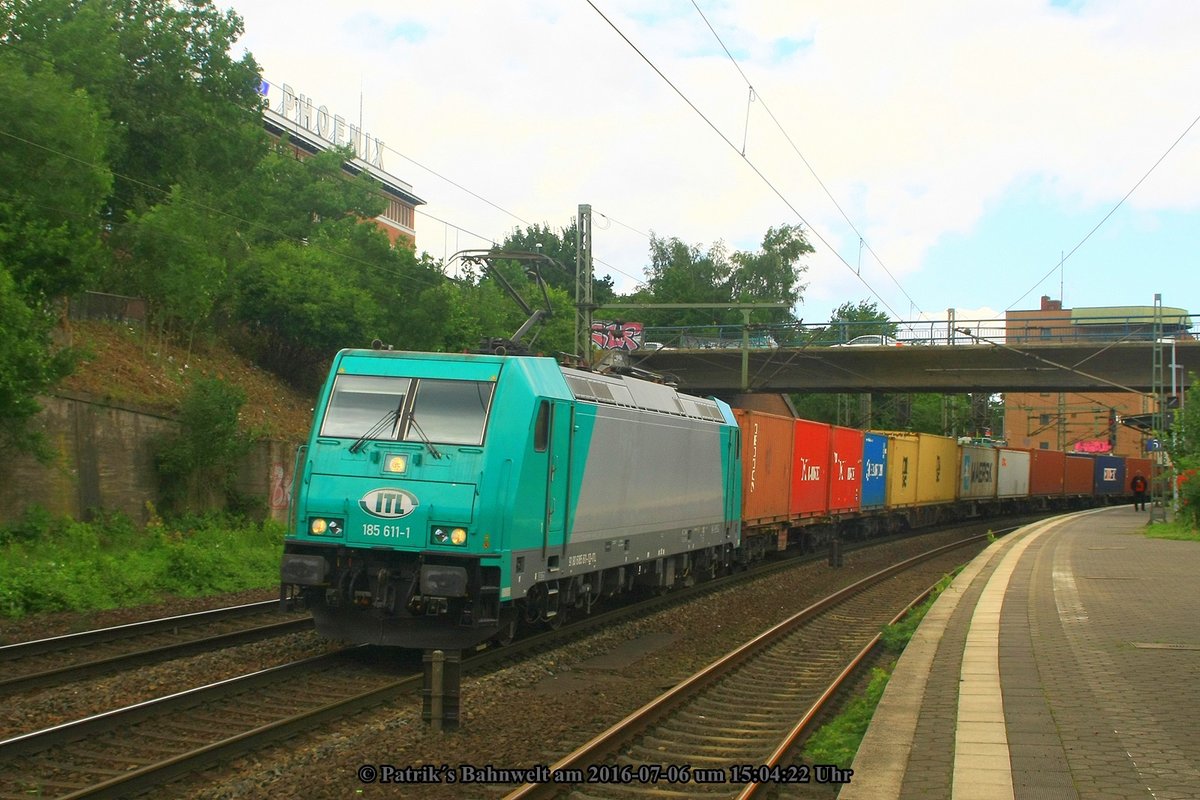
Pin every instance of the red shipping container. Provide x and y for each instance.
(766, 466)
(1078, 475)
(1047, 472)
(1133, 466)
(810, 469)
(845, 470)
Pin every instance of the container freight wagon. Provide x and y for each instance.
(1077, 477)
(766, 470)
(1012, 473)
(976, 472)
(810, 469)
(901, 469)
(874, 471)
(845, 470)
(1047, 473)
(937, 463)
(1108, 475)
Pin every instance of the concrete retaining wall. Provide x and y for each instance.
(104, 459)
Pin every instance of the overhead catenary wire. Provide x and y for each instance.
(756, 96)
(753, 167)
(1096, 227)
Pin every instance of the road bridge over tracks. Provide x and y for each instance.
(1027, 366)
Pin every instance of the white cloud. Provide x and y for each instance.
(920, 118)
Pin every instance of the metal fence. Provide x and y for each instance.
(1027, 330)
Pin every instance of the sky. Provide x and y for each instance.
(952, 154)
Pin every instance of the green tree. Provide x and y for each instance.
(1183, 445)
(185, 110)
(299, 310)
(28, 365)
(856, 319)
(772, 274)
(53, 181)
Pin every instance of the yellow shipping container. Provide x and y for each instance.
(901, 469)
(937, 464)
(922, 468)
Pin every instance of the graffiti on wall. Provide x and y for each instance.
(617, 335)
(281, 492)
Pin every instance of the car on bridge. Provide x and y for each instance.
(870, 340)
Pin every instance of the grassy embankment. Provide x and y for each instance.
(837, 741)
(61, 565)
(1172, 530)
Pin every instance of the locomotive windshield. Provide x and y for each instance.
(408, 409)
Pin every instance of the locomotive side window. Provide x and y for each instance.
(541, 428)
(360, 402)
(449, 412)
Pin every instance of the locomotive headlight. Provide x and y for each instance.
(326, 526)
(443, 534)
(395, 464)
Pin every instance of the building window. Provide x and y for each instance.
(398, 212)
(1043, 445)
(1044, 419)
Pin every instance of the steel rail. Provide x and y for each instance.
(611, 740)
(87, 669)
(83, 638)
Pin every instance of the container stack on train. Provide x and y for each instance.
(805, 482)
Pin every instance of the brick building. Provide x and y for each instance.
(1082, 421)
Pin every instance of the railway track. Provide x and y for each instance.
(128, 750)
(44, 663)
(731, 729)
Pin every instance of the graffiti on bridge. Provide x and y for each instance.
(617, 335)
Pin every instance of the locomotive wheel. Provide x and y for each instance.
(508, 632)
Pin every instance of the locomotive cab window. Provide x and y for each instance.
(408, 409)
(362, 402)
(541, 428)
(449, 412)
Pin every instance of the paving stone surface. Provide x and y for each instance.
(1099, 664)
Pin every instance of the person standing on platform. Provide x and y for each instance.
(1138, 485)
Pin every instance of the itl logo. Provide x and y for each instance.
(388, 503)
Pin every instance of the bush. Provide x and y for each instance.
(199, 464)
(60, 565)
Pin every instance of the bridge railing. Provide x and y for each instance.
(1027, 330)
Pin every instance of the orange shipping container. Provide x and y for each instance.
(766, 466)
(1134, 466)
(1047, 470)
(1078, 475)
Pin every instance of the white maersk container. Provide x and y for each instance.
(1012, 473)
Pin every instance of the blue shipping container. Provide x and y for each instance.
(874, 470)
(1109, 475)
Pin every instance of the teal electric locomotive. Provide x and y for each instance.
(442, 500)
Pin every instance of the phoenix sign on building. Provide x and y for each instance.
(312, 128)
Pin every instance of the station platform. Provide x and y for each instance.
(1063, 662)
